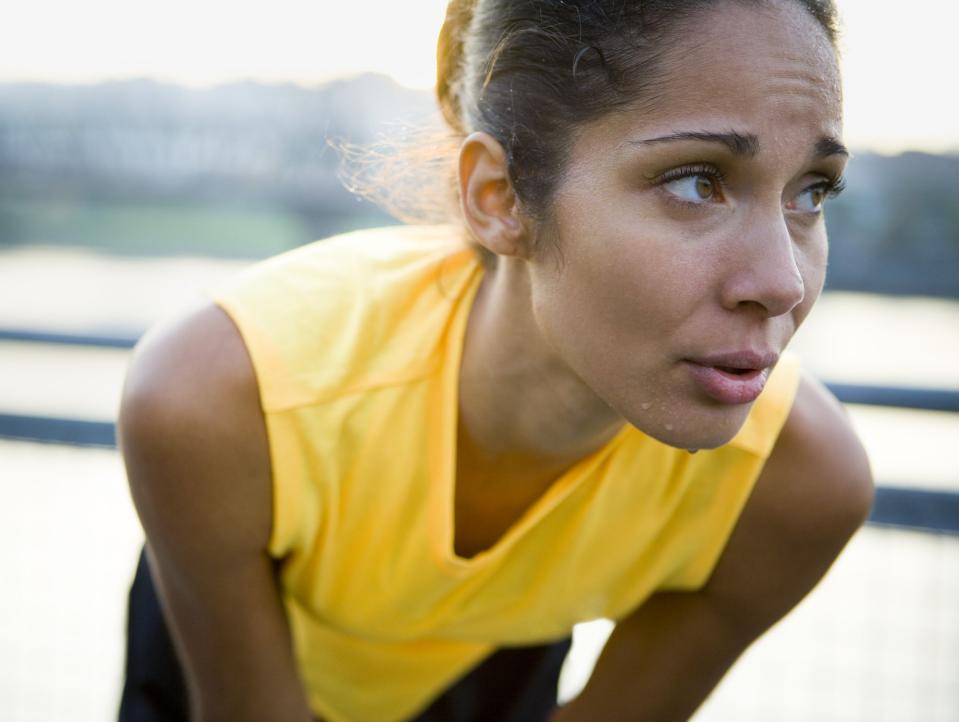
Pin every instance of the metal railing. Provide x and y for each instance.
(917, 509)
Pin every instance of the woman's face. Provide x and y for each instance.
(686, 242)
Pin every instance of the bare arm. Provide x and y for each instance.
(813, 494)
(194, 443)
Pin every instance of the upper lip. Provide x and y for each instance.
(738, 359)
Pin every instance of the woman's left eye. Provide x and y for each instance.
(814, 198)
(810, 200)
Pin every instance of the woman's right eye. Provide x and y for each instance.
(694, 186)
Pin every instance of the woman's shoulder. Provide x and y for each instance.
(818, 472)
(814, 492)
(194, 363)
(191, 428)
(347, 313)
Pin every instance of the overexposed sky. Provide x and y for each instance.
(200, 42)
(899, 64)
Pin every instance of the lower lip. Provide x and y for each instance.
(728, 388)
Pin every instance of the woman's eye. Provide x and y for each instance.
(810, 200)
(698, 188)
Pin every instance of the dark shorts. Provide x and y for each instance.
(512, 685)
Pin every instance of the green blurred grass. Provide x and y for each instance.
(161, 229)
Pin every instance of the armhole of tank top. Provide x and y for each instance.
(285, 496)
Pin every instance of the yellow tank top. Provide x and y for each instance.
(356, 345)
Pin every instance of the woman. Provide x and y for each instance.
(381, 479)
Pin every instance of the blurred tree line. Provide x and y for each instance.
(248, 170)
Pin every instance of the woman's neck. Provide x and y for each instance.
(519, 402)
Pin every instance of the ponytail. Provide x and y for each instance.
(449, 61)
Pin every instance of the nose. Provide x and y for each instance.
(764, 269)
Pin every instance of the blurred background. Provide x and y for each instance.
(148, 151)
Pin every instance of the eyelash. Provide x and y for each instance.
(833, 187)
(691, 171)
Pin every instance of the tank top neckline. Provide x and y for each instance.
(444, 416)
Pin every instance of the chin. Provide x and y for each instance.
(696, 432)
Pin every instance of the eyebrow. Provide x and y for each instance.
(739, 143)
(830, 146)
(745, 144)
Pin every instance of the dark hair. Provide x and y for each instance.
(529, 72)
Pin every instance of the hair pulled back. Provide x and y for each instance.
(530, 72)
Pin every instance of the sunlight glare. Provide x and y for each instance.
(896, 60)
(217, 41)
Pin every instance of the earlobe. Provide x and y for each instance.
(487, 198)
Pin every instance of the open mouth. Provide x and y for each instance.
(729, 384)
(736, 377)
(735, 371)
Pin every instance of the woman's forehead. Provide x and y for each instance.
(758, 68)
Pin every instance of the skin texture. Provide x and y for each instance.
(815, 491)
(625, 281)
(583, 326)
(195, 447)
(587, 320)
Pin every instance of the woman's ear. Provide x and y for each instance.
(487, 199)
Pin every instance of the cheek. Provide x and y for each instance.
(611, 307)
(812, 265)
(812, 262)
(614, 270)
(572, 300)
(600, 282)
